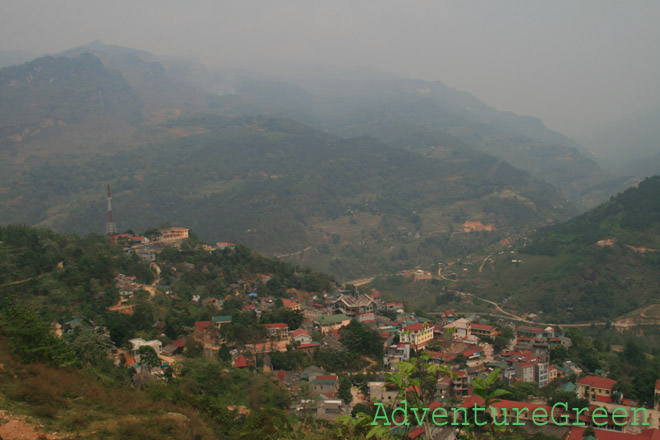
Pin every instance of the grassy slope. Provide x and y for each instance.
(90, 404)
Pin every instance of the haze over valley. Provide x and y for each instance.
(257, 218)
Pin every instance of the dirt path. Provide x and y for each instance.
(361, 281)
(293, 253)
(13, 283)
(483, 263)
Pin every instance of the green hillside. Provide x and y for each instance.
(44, 97)
(78, 386)
(596, 267)
(356, 205)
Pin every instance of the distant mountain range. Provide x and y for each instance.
(378, 170)
(50, 95)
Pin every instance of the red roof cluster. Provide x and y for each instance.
(299, 332)
(485, 327)
(200, 326)
(276, 325)
(597, 382)
(326, 378)
(603, 434)
(289, 303)
(416, 327)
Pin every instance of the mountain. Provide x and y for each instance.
(50, 98)
(376, 105)
(355, 107)
(159, 88)
(355, 206)
(598, 266)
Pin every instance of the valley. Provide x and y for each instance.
(284, 253)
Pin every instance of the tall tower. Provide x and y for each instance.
(110, 226)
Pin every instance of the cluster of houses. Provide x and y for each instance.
(147, 247)
(463, 342)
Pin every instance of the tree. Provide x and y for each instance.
(148, 357)
(194, 348)
(293, 318)
(359, 338)
(461, 360)
(416, 379)
(589, 432)
(633, 353)
(502, 340)
(30, 338)
(345, 389)
(91, 348)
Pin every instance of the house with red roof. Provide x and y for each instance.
(293, 305)
(201, 326)
(175, 233)
(395, 306)
(302, 336)
(474, 352)
(244, 362)
(278, 331)
(484, 331)
(308, 348)
(577, 433)
(222, 245)
(527, 330)
(418, 334)
(595, 388)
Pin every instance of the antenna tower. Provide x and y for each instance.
(110, 226)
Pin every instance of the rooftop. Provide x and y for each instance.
(597, 382)
(331, 319)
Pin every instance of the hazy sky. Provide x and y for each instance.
(578, 65)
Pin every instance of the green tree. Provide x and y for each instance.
(359, 338)
(148, 357)
(589, 432)
(90, 348)
(30, 338)
(345, 389)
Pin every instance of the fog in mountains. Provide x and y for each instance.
(581, 67)
(347, 130)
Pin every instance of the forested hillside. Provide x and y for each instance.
(81, 383)
(597, 266)
(280, 187)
